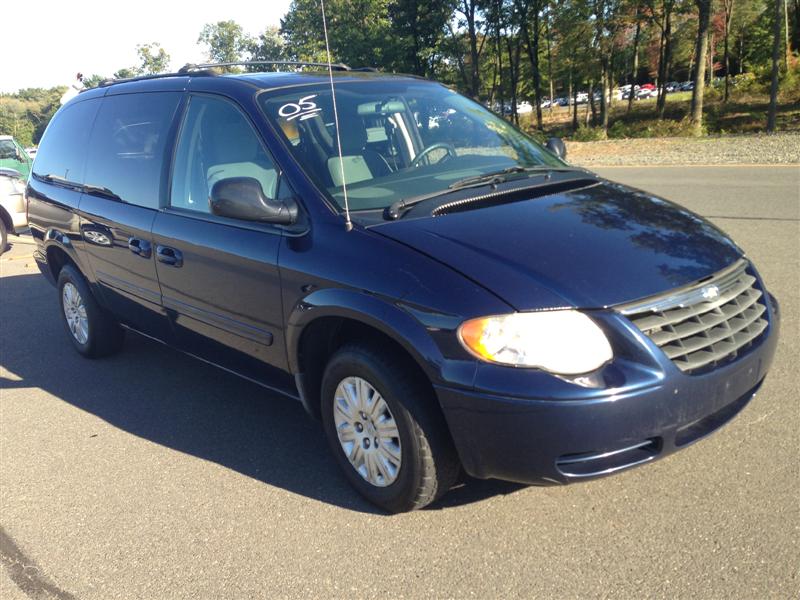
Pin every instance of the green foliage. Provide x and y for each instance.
(25, 115)
(225, 41)
(418, 29)
(153, 59)
(790, 82)
(486, 48)
(267, 46)
(93, 80)
(359, 31)
(125, 73)
(651, 128)
(588, 134)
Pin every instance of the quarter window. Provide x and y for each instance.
(62, 152)
(217, 142)
(126, 151)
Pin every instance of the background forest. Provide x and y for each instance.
(554, 66)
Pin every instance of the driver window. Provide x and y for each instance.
(216, 142)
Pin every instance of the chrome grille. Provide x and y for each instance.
(706, 324)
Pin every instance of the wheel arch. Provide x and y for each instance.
(58, 251)
(325, 321)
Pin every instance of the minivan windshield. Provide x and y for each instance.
(400, 139)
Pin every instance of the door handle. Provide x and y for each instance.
(169, 256)
(141, 247)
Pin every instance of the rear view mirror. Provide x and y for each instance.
(557, 146)
(243, 198)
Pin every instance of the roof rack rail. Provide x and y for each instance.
(112, 81)
(191, 68)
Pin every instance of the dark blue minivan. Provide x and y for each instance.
(442, 291)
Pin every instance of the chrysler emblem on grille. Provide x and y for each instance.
(710, 292)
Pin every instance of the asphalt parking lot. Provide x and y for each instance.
(151, 475)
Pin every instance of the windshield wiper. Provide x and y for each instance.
(501, 176)
(493, 178)
(57, 180)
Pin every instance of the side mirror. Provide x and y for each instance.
(557, 146)
(243, 198)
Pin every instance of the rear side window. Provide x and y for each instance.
(126, 150)
(217, 142)
(62, 151)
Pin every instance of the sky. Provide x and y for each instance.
(100, 37)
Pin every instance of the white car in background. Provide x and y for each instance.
(13, 209)
(31, 151)
(524, 108)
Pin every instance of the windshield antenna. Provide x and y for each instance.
(348, 223)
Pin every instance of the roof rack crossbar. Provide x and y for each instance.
(191, 68)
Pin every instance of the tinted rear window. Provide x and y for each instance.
(126, 151)
(62, 152)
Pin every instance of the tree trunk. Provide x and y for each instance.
(728, 18)
(499, 50)
(537, 75)
(635, 66)
(701, 49)
(777, 42)
(549, 63)
(592, 106)
(741, 53)
(573, 106)
(513, 70)
(788, 48)
(469, 8)
(604, 71)
(710, 68)
(532, 46)
(660, 57)
(661, 102)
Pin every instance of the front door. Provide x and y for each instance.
(219, 277)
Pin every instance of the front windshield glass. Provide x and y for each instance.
(7, 148)
(400, 139)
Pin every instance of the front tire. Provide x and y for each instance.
(386, 430)
(92, 331)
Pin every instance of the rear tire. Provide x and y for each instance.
(3, 237)
(93, 332)
(413, 461)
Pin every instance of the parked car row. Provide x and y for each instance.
(646, 90)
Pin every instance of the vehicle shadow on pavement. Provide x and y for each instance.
(168, 398)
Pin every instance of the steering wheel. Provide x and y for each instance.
(451, 153)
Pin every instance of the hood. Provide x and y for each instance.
(593, 247)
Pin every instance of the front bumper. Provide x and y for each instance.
(559, 436)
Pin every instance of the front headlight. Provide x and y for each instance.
(565, 342)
